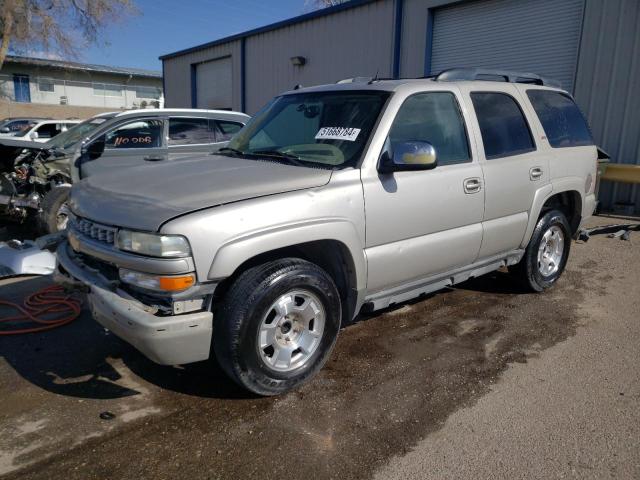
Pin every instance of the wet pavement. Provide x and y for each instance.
(394, 379)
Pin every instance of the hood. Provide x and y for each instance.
(145, 197)
(12, 142)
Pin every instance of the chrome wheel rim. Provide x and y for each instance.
(550, 251)
(62, 217)
(291, 330)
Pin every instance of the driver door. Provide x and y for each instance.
(129, 144)
(423, 223)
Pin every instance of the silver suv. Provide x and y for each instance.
(365, 193)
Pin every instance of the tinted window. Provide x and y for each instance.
(49, 130)
(137, 134)
(434, 118)
(188, 131)
(226, 130)
(561, 119)
(503, 127)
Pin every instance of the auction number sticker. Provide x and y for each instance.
(338, 133)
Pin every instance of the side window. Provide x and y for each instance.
(504, 129)
(562, 121)
(136, 134)
(48, 130)
(189, 131)
(435, 118)
(226, 130)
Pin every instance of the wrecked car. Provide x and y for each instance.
(35, 178)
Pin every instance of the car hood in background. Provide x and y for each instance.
(145, 197)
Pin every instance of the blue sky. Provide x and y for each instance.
(165, 26)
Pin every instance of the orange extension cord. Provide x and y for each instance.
(39, 307)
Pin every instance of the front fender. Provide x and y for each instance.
(235, 252)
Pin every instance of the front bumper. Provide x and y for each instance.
(168, 340)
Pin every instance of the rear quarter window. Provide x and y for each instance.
(562, 121)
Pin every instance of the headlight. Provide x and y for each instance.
(153, 244)
(161, 283)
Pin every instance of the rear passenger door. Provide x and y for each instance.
(514, 168)
(131, 143)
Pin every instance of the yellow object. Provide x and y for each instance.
(174, 284)
(617, 172)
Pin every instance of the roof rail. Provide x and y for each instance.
(457, 74)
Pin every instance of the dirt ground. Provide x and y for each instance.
(476, 381)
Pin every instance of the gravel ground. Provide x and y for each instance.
(477, 381)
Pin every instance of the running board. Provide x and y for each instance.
(433, 283)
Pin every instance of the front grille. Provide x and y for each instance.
(94, 230)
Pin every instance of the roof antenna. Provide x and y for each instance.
(374, 79)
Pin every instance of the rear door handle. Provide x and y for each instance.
(535, 173)
(472, 185)
(153, 158)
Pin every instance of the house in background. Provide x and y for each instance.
(55, 88)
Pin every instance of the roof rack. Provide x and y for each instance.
(457, 74)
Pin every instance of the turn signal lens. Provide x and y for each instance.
(172, 284)
(161, 283)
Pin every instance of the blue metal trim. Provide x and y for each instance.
(194, 86)
(273, 26)
(428, 47)
(397, 37)
(164, 89)
(243, 74)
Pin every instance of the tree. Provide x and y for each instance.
(327, 3)
(64, 27)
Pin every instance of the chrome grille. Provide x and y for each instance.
(94, 230)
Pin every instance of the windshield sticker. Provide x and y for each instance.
(338, 133)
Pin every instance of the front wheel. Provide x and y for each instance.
(277, 325)
(54, 216)
(547, 252)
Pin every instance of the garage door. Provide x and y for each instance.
(214, 84)
(530, 36)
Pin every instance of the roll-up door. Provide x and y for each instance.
(537, 36)
(214, 84)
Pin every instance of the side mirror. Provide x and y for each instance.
(5, 130)
(95, 149)
(34, 135)
(408, 156)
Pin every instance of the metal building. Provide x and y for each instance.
(591, 46)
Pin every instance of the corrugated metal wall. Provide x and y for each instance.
(519, 35)
(608, 87)
(177, 73)
(353, 42)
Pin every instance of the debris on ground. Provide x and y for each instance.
(621, 231)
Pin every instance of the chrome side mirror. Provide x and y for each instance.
(409, 156)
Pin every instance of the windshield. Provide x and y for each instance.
(76, 134)
(325, 129)
(25, 129)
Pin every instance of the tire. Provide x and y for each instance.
(551, 239)
(253, 341)
(54, 205)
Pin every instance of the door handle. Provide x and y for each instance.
(535, 173)
(472, 185)
(153, 158)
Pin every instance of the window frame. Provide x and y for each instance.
(46, 80)
(573, 100)
(163, 133)
(206, 119)
(104, 89)
(462, 117)
(524, 116)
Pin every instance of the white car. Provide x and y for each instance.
(43, 130)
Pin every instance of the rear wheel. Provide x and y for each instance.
(546, 255)
(54, 216)
(277, 325)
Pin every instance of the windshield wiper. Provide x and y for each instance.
(229, 150)
(290, 157)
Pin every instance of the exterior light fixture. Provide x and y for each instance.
(298, 61)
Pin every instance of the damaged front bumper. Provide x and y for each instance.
(167, 340)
